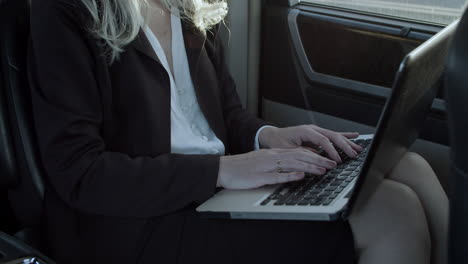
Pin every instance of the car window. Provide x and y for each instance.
(434, 11)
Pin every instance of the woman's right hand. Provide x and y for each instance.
(270, 166)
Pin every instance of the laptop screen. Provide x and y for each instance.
(413, 92)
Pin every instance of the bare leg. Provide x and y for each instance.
(417, 174)
(391, 227)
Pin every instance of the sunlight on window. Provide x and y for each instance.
(436, 11)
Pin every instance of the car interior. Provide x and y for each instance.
(295, 62)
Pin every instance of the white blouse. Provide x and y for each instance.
(190, 131)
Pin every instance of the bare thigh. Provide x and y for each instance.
(391, 227)
(416, 173)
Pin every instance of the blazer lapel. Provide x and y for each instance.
(204, 79)
(203, 75)
(142, 44)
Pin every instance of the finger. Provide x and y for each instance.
(328, 133)
(304, 155)
(350, 135)
(323, 141)
(340, 141)
(355, 146)
(328, 147)
(310, 149)
(297, 165)
(343, 144)
(277, 178)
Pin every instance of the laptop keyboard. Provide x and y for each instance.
(315, 190)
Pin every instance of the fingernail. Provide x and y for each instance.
(355, 153)
(338, 158)
(299, 174)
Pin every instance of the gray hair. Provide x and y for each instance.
(118, 22)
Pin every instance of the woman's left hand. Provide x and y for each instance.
(294, 137)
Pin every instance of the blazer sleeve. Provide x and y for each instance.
(241, 125)
(68, 117)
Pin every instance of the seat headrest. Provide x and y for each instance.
(8, 174)
(457, 93)
(457, 99)
(27, 195)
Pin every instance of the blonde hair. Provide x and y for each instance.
(118, 22)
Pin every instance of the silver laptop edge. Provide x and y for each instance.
(245, 204)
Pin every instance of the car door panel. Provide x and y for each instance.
(336, 68)
(339, 63)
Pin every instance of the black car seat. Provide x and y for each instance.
(19, 157)
(457, 97)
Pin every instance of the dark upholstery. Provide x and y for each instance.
(457, 96)
(19, 156)
(8, 173)
(12, 248)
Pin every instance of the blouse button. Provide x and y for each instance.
(185, 109)
(180, 91)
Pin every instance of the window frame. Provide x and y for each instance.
(372, 14)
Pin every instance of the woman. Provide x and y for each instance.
(139, 121)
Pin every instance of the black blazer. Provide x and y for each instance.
(104, 135)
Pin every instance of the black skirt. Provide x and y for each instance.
(257, 241)
(184, 237)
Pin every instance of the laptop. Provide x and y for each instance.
(333, 196)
